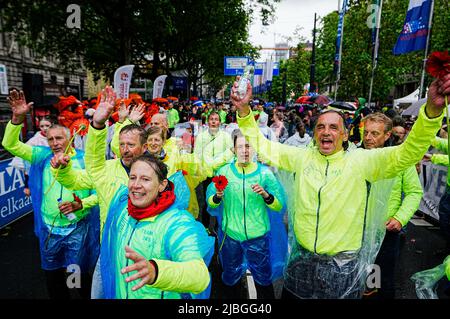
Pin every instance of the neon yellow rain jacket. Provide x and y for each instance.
(332, 190)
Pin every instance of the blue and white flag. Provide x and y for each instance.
(415, 29)
(337, 56)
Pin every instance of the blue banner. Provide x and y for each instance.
(276, 69)
(234, 65)
(415, 29)
(337, 57)
(13, 202)
(179, 83)
(259, 68)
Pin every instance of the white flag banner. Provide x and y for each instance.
(269, 70)
(158, 86)
(122, 81)
(3, 80)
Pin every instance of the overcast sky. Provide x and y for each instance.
(288, 15)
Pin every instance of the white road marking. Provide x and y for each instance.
(251, 285)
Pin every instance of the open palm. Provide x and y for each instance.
(18, 103)
(106, 105)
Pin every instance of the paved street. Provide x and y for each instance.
(22, 278)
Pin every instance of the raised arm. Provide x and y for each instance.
(390, 161)
(279, 155)
(95, 161)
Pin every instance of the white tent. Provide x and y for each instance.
(404, 102)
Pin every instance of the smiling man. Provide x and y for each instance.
(61, 216)
(132, 144)
(331, 187)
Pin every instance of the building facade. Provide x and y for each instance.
(39, 77)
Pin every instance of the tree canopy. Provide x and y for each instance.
(156, 36)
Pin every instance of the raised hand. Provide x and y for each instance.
(19, 106)
(123, 112)
(105, 107)
(137, 113)
(242, 105)
(145, 270)
(437, 91)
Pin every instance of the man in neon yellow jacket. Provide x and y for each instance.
(330, 209)
(404, 200)
(133, 143)
(62, 218)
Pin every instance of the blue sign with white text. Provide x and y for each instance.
(234, 65)
(13, 202)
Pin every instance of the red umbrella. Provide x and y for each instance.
(304, 100)
(172, 98)
(193, 98)
(321, 100)
(161, 100)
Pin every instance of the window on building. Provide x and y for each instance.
(53, 79)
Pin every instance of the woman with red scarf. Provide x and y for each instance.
(152, 248)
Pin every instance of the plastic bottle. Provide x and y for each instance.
(245, 78)
(70, 216)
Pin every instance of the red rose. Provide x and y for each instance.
(438, 64)
(220, 182)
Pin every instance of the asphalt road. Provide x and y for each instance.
(22, 278)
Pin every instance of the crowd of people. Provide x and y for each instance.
(141, 195)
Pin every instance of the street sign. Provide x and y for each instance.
(234, 65)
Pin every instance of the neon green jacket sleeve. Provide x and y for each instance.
(115, 144)
(447, 267)
(182, 276)
(12, 143)
(388, 162)
(74, 179)
(90, 201)
(409, 184)
(95, 163)
(440, 144)
(275, 154)
(440, 159)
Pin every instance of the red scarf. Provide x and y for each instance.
(164, 200)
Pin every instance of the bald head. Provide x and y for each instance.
(159, 120)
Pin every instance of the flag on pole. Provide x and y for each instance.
(337, 57)
(158, 86)
(415, 29)
(122, 81)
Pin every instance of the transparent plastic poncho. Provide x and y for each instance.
(87, 258)
(358, 263)
(278, 241)
(205, 243)
(426, 281)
